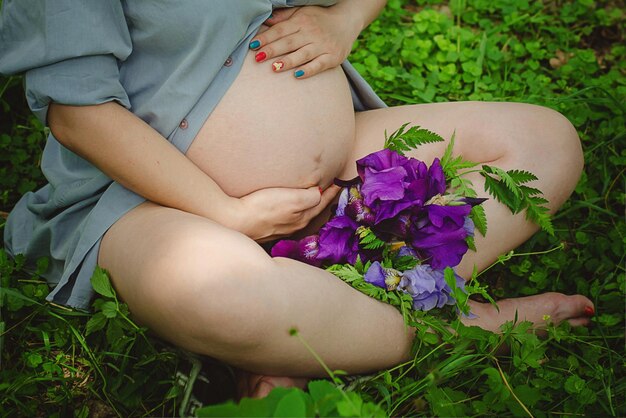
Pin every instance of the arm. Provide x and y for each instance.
(132, 153)
(314, 39)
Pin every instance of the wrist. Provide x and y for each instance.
(361, 12)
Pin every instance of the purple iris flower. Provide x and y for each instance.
(338, 241)
(305, 250)
(428, 287)
(406, 251)
(393, 183)
(352, 205)
(436, 179)
(440, 236)
(379, 276)
(344, 197)
(468, 226)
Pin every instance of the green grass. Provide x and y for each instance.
(568, 55)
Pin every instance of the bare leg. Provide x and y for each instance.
(506, 135)
(215, 292)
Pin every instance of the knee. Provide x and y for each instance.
(558, 142)
(223, 296)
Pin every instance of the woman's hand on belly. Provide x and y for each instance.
(311, 38)
(272, 213)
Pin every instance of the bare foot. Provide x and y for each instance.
(539, 309)
(252, 385)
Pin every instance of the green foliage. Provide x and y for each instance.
(567, 55)
(509, 189)
(60, 362)
(404, 140)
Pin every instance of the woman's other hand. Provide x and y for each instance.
(308, 39)
(273, 213)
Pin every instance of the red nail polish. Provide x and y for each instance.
(278, 65)
(589, 311)
(260, 56)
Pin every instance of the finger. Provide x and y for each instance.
(280, 15)
(308, 198)
(278, 31)
(327, 197)
(296, 58)
(316, 66)
(289, 44)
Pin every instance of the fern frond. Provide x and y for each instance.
(498, 189)
(507, 180)
(345, 272)
(522, 176)
(479, 218)
(405, 140)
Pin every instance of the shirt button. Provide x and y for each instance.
(183, 124)
(228, 62)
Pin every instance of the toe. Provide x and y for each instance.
(579, 322)
(573, 307)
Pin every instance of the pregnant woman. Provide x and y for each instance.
(183, 134)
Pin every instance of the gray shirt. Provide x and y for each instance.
(169, 62)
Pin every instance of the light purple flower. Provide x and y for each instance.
(379, 276)
(428, 287)
(468, 226)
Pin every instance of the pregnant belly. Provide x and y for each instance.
(272, 130)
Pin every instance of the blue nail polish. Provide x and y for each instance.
(299, 73)
(271, 16)
(255, 44)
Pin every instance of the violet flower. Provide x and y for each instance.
(305, 250)
(338, 242)
(440, 236)
(392, 183)
(380, 276)
(428, 288)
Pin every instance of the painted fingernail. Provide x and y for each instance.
(255, 44)
(278, 65)
(589, 311)
(299, 73)
(260, 56)
(271, 16)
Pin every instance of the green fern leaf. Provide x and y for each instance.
(405, 140)
(507, 180)
(479, 218)
(540, 216)
(345, 272)
(503, 194)
(521, 176)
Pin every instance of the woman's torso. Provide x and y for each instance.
(273, 130)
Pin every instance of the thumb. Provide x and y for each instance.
(280, 15)
(310, 197)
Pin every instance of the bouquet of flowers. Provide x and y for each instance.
(401, 226)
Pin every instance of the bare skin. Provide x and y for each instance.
(188, 264)
(220, 295)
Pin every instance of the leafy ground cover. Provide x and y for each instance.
(568, 55)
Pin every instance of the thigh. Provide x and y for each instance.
(506, 135)
(484, 132)
(163, 262)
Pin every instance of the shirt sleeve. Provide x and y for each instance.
(293, 3)
(69, 50)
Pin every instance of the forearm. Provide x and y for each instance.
(132, 153)
(363, 12)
